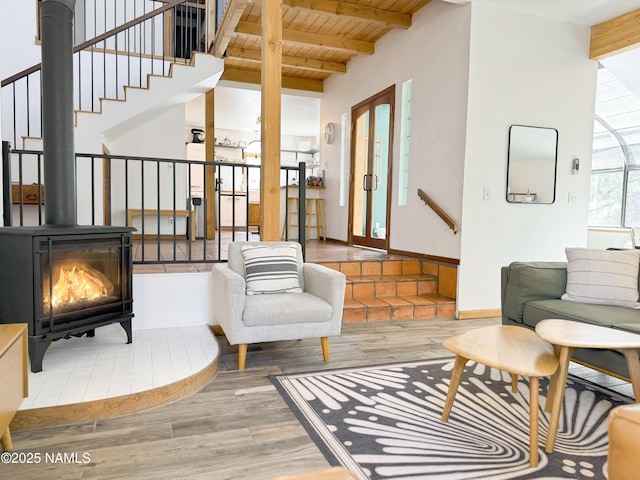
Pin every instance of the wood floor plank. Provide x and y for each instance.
(237, 426)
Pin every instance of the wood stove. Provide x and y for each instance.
(62, 279)
(65, 281)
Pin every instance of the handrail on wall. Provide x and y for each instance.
(439, 211)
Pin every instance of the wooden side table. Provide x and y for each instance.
(13, 376)
(567, 336)
(513, 349)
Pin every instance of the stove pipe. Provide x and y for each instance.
(56, 23)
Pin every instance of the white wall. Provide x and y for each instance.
(171, 300)
(532, 71)
(20, 34)
(161, 137)
(434, 53)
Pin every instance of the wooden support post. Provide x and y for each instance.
(271, 80)
(210, 174)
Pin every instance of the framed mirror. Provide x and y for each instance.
(531, 164)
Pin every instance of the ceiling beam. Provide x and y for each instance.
(253, 76)
(230, 19)
(314, 39)
(354, 11)
(615, 36)
(289, 61)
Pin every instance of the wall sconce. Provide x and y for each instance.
(575, 166)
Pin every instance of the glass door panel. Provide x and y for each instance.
(380, 171)
(372, 128)
(360, 160)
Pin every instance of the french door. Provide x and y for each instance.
(370, 185)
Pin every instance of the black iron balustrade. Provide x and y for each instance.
(110, 187)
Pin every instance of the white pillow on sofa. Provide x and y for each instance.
(271, 269)
(605, 277)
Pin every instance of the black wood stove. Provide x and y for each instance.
(62, 279)
(65, 281)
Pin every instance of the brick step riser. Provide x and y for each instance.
(377, 267)
(394, 290)
(397, 313)
(397, 288)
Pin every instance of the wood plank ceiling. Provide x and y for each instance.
(320, 37)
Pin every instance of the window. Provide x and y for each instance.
(344, 125)
(405, 141)
(615, 178)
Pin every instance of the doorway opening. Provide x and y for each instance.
(370, 186)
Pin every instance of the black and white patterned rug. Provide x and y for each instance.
(384, 422)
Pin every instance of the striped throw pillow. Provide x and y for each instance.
(606, 277)
(271, 269)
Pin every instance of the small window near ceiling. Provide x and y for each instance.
(405, 142)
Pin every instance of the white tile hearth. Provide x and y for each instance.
(82, 369)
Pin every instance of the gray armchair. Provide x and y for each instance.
(247, 316)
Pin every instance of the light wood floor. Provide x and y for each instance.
(236, 427)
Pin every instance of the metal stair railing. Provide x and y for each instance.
(121, 57)
(111, 189)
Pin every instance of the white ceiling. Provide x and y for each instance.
(239, 108)
(580, 12)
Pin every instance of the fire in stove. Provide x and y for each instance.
(77, 286)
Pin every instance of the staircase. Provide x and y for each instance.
(183, 83)
(391, 290)
(119, 63)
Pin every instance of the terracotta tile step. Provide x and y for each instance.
(409, 307)
(382, 286)
(442, 277)
(376, 267)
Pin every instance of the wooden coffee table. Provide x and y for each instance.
(516, 350)
(567, 336)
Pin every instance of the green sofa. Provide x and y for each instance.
(531, 292)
